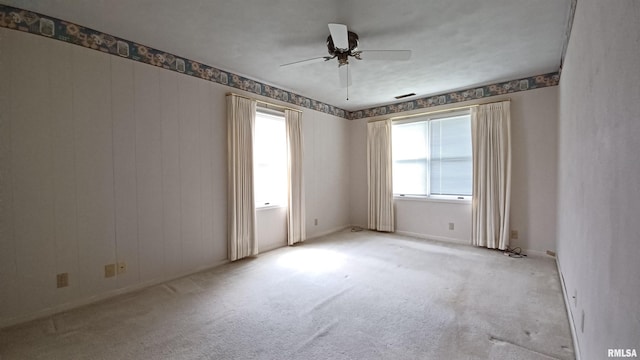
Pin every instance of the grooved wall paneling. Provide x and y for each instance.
(148, 138)
(106, 160)
(94, 168)
(124, 162)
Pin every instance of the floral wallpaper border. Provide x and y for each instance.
(34, 23)
(507, 87)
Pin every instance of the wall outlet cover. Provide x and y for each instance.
(110, 270)
(122, 267)
(62, 280)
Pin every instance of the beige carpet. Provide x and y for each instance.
(351, 295)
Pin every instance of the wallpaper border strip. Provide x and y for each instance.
(43, 25)
(39, 24)
(507, 87)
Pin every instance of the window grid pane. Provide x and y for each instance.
(451, 163)
(410, 162)
(433, 157)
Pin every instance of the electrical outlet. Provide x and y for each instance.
(62, 280)
(514, 234)
(315, 222)
(122, 267)
(451, 226)
(110, 270)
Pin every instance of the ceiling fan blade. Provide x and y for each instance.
(385, 54)
(340, 36)
(345, 75)
(308, 61)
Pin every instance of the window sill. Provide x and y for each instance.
(269, 207)
(449, 200)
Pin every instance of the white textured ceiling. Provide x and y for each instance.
(456, 44)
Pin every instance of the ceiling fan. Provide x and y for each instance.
(343, 44)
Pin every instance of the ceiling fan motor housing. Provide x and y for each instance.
(343, 54)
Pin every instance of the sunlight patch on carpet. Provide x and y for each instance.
(312, 260)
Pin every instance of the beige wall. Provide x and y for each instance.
(599, 176)
(104, 159)
(534, 150)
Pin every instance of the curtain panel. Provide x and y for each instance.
(379, 177)
(491, 142)
(241, 114)
(295, 211)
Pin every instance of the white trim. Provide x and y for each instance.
(528, 252)
(328, 232)
(567, 302)
(443, 114)
(536, 253)
(272, 247)
(270, 207)
(434, 237)
(273, 113)
(466, 201)
(428, 120)
(96, 298)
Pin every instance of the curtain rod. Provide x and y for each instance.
(264, 102)
(440, 111)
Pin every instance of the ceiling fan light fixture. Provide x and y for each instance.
(352, 40)
(343, 59)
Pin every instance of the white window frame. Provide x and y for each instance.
(433, 197)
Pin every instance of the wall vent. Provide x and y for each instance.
(404, 96)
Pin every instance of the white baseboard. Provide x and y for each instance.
(272, 247)
(100, 297)
(572, 323)
(433, 237)
(536, 253)
(528, 252)
(328, 232)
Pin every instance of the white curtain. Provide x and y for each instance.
(295, 211)
(491, 138)
(379, 178)
(241, 115)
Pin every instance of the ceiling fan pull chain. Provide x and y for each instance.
(342, 45)
(347, 82)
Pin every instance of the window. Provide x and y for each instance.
(432, 157)
(270, 159)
